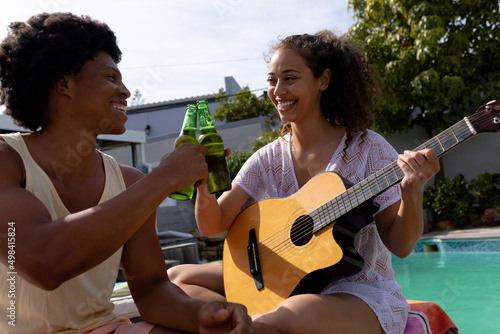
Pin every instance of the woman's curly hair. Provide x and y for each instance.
(352, 95)
(37, 54)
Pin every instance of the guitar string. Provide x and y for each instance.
(302, 222)
(458, 132)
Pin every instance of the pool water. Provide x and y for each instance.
(465, 284)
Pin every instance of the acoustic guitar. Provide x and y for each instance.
(281, 247)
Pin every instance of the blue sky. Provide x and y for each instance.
(181, 48)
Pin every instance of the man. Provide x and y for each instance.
(71, 214)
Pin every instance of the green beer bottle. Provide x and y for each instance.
(218, 172)
(187, 135)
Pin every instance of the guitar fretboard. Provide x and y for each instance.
(385, 178)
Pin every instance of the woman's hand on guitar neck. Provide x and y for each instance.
(400, 226)
(418, 167)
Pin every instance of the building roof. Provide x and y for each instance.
(232, 88)
(168, 104)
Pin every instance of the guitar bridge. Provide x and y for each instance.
(254, 260)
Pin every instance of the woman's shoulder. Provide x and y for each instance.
(269, 154)
(369, 137)
(278, 145)
(374, 136)
(370, 142)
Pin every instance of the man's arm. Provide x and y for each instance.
(46, 252)
(163, 303)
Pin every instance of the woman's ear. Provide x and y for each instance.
(325, 79)
(62, 86)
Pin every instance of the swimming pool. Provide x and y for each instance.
(465, 284)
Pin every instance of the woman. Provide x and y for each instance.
(325, 91)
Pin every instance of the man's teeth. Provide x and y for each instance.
(120, 107)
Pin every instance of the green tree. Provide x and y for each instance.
(236, 160)
(244, 105)
(265, 138)
(137, 99)
(438, 60)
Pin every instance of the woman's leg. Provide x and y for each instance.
(309, 313)
(202, 282)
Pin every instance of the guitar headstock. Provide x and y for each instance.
(487, 117)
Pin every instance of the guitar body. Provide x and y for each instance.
(290, 266)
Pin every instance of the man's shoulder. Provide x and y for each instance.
(130, 174)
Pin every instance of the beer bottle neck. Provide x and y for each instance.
(188, 132)
(189, 124)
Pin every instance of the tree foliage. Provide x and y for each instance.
(450, 200)
(244, 105)
(137, 99)
(265, 138)
(438, 60)
(236, 160)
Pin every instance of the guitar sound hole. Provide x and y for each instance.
(301, 232)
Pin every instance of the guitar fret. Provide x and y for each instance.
(353, 199)
(453, 132)
(344, 201)
(359, 194)
(383, 182)
(336, 208)
(463, 129)
(368, 192)
(348, 197)
(439, 141)
(374, 185)
(437, 144)
(387, 179)
(330, 219)
(324, 222)
(371, 187)
(398, 172)
(447, 142)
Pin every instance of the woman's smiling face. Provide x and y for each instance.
(292, 86)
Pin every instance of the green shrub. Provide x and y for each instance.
(487, 188)
(235, 161)
(450, 200)
(265, 138)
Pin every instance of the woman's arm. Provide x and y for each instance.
(216, 216)
(400, 225)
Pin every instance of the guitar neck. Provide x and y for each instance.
(385, 178)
